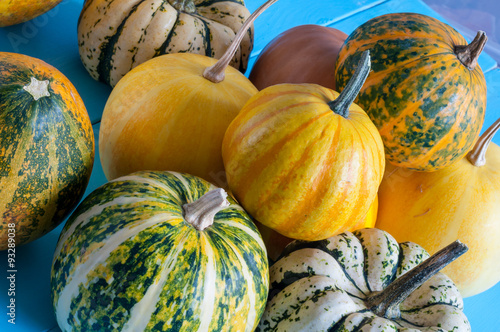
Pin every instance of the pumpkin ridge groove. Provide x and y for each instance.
(162, 49)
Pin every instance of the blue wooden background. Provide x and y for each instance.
(52, 38)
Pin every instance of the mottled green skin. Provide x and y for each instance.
(134, 264)
(428, 106)
(366, 262)
(46, 149)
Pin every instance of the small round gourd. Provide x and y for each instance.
(19, 11)
(303, 160)
(114, 36)
(159, 251)
(363, 281)
(426, 93)
(459, 201)
(46, 148)
(171, 113)
(303, 54)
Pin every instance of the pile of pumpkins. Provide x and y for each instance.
(272, 202)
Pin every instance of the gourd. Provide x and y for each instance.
(363, 281)
(19, 11)
(276, 243)
(171, 113)
(303, 160)
(46, 148)
(426, 93)
(303, 54)
(459, 201)
(159, 251)
(115, 36)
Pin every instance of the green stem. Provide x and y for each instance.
(468, 54)
(216, 73)
(386, 303)
(341, 105)
(477, 156)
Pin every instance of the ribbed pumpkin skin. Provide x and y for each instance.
(46, 149)
(299, 168)
(324, 286)
(18, 11)
(128, 261)
(428, 106)
(164, 115)
(458, 202)
(114, 36)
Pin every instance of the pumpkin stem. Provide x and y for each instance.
(477, 156)
(37, 89)
(386, 303)
(201, 212)
(468, 54)
(185, 6)
(216, 72)
(341, 105)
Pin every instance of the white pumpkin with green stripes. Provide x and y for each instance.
(159, 251)
(363, 281)
(114, 36)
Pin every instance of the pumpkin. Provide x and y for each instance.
(459, 201)
(19, 11)
(426, 94)
(303, 160)
(363, 281)
(46, 148)
(275, 242)
(171, 113)
(115, 36)
(159, 251)
(303, 54)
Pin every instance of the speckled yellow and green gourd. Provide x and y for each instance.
(426, 104)
(46, 147)
(127, 260)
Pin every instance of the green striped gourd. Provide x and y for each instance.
(46, 148)
(426, 93)
(363, 281)
(115, 36)
(157, 251)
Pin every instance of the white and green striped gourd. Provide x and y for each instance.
(159, 251)
(363, 281)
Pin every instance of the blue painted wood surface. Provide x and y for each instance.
(52, 38)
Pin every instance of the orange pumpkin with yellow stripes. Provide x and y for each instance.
(426, 93)
(296, 152)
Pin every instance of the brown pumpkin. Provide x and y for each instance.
(303, 54)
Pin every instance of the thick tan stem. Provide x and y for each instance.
(468, 54)
(201, 212)
(386, 303)
(477, 156)
(216, 73)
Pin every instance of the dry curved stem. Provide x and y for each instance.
(477, 156)
(386, 303)
(200, 213)
(468, 54)
(216, 72)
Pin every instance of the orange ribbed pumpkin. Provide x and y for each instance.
(303, 160)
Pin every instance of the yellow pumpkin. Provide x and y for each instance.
(461, 201)
(275, 242)
(171, 112)
(19, 11)
(303, 160)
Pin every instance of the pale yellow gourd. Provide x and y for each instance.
(461, 201)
